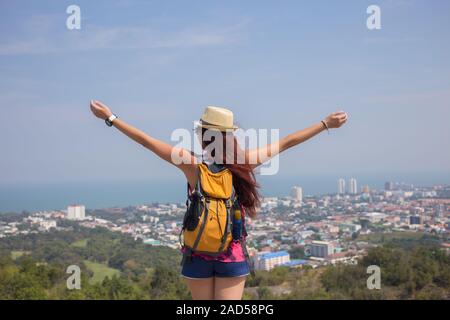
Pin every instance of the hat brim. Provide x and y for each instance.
(217, 128)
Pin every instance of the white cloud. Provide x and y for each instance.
(51, 38)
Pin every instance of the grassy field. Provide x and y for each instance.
(80, 243)
(100, 271)
(17, 254)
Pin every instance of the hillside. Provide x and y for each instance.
(115, 266)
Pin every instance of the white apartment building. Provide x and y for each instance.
(76, 212)
(341, 186)
(297, 194)
(353, 189)
(269, 260)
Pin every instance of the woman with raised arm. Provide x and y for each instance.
(222, 191)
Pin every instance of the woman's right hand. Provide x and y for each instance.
(336, 119)
(100, 110)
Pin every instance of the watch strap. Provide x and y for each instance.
(109, 121)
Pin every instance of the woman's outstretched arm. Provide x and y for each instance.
(258, 156)
(179, 157)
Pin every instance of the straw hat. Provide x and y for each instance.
(217, 118)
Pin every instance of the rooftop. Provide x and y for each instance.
(277, 254)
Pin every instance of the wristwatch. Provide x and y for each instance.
(109, 121)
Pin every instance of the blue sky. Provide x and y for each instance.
(275, 64)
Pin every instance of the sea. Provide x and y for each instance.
(32, 197)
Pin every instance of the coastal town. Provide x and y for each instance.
(293, 231)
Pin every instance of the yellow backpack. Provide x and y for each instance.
(207, 224)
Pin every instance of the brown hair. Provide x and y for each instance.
(244, 181)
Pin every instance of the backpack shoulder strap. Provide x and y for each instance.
(198, 186)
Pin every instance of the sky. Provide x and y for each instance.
(283, 65)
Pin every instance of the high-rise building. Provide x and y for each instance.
(389, 186)
(366, 189)
(341, 186)
(439, 211)
(297, 194)
(321, 249)
(353, 188)
(75, 212)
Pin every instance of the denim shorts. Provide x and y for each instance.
(198, 268)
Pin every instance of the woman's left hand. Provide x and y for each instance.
(100, 110)
(336, 119)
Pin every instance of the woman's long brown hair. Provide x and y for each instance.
(244, 181)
